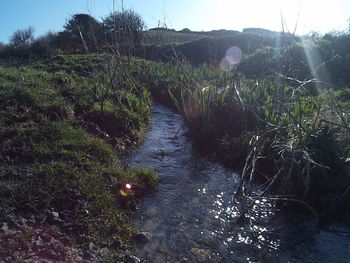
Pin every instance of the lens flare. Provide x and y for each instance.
(232, 57)
(123, 192)
(317, 66)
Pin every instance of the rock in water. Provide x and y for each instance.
(141, 238)
(202, 255)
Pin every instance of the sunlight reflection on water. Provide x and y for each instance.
(193, 210)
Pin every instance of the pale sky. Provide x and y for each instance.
(315, 15)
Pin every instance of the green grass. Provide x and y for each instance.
(59, 151)
(164, 37)
(294, 142)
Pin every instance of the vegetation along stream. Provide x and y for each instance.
(246, 159)
(193, 217)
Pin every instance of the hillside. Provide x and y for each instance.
(251, 132)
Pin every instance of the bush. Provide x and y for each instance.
(44, 46)
(23, 36)
(83, 31)
(124, 28)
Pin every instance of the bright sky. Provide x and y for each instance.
(315, 15)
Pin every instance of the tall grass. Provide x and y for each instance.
(303, 140)
(295, 141)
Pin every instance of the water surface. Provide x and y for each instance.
(192, 217)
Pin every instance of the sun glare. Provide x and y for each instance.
(304, 16)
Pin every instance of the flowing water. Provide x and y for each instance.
(192, 217)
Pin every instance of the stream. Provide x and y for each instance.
(192, 217)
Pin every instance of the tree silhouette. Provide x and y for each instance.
(44, 45)
(82, 27)
(124, 28)
(23, 36)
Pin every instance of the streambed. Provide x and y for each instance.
(192, 217)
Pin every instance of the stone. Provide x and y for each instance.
(202, 255)
(5, 227)
(132, 259)
(141, 238)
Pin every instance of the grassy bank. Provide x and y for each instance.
(66, 120)
(292, 140)
(62, 132)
